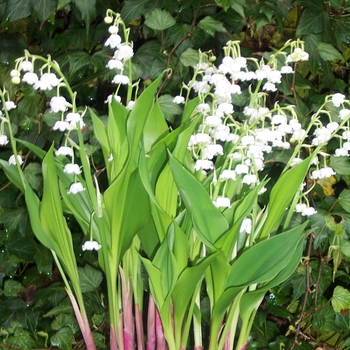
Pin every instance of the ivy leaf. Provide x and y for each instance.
(12, 288)
(44, 8)
(189, 58)
(328, 52)
(341, 165)
(78, 60)
(210, 25)
(89, 278)
(87, 9)
(341, 299)
(312, 21)
(168, 107)
(32, 174)
(16, 9)
(63, 338)
(159, 20)
(344, 200)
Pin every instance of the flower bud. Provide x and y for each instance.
(108, 19)
(16, 80)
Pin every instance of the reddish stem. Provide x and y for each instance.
(151, 325)
(161, 343)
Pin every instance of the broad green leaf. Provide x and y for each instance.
(78, 60)
(155, 127)
(190, 57)
(341, 299)
(22, 339)
(12, 288)
(270, 257)
(32, 173)
(168, 107)
(89, 278)
(33, 204)
(12, 173)
(341, 165)
(329, 53)
(344, 200)
(63, 320)
(209, 223)
(210, 25)
(62, 3)
(87, 9)
(281, 196)
(312, 21)
(16, 9)
(62, 338)
(159, 19)
(22, 247)
(44, 8)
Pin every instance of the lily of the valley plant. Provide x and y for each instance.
(195, 207)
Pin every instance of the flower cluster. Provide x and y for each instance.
(242, 141)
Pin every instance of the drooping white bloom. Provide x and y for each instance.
(242, 169)
(121, 79)
(10, 105)
(222, 202)
(12, 160)
(113, 29)
(246, 226)
(344, 113)
(210, 151)
(64, 151)
(268, 86)
(113, 41)
(130, 105)
(75, 119)
(115, 64)
(47, 82)
(76, 188)
(250, 179)
(332, 126)
(279, 119)
(322, 135)
(297, 55)
(287, 70)
(322, 173)
(228, 175)
(338, 99)
(62, 126)
(26, 66)
(58, 104)
(179, 100)
(203, 164)
(30, 78)
(304, 210)
(72, 169)
(341, 152)
(124, 52)
(91, 245)
(203, 108)
(3, 140)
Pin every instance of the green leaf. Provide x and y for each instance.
(312, 21)
(16, 9)
(44, 8)
(329, 53)
(269, 256)
(210, 25)
(63, 320)
(87, 9)
(341, 299)
(344, 200)
(32, 173)
(282, 194)
(63, 338)
(168, 107)
(78, 60)
(12, 173)
(12, 288)
(341, 165)
(210, 224)
(89, 278)
(190, 57)
(159, 19)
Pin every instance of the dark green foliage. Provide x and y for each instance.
(34, 309)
